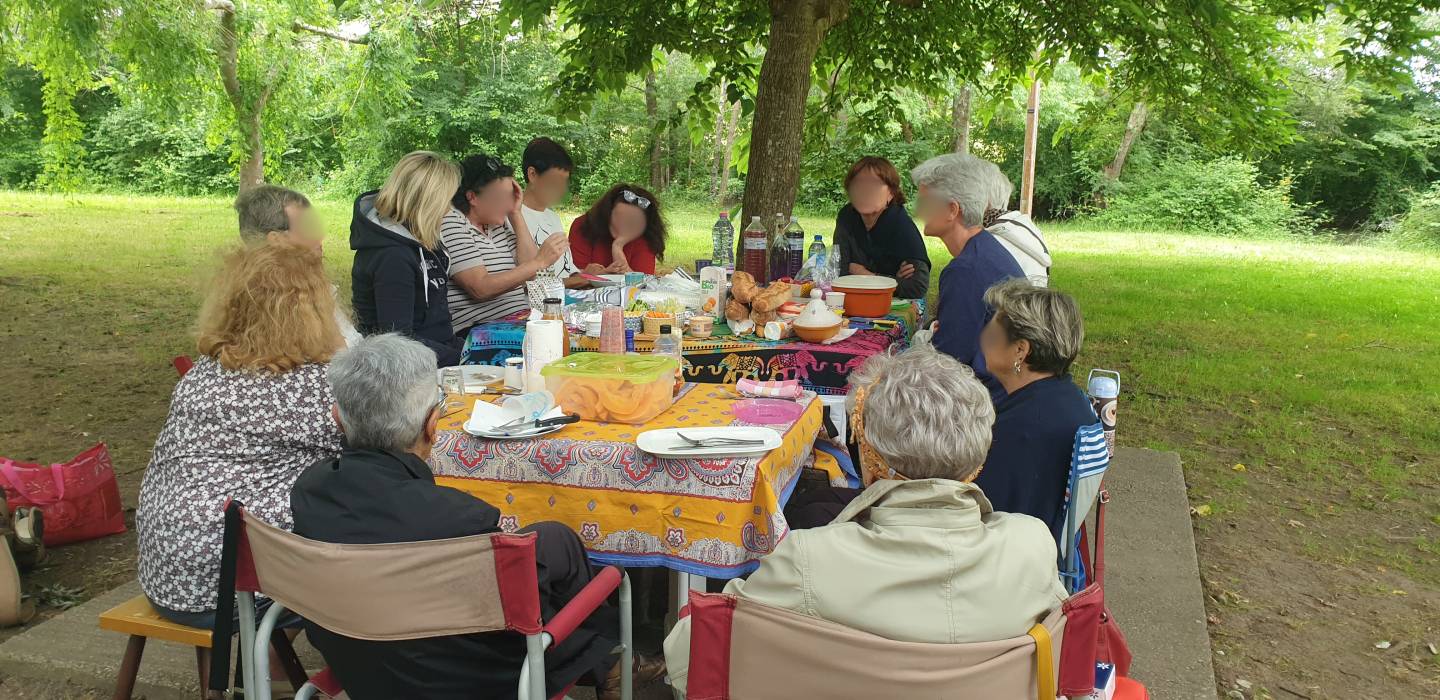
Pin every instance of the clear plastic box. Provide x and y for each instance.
(612, 388)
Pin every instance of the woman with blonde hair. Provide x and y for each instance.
(398, 279)
(251, 415)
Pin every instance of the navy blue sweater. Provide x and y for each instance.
(1029, 463)
(961, 309)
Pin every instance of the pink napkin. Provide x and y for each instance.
(788, 389)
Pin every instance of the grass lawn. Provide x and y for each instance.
(1299, 382)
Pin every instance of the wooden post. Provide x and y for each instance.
(1032, 134)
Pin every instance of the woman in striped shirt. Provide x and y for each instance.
(492, 253)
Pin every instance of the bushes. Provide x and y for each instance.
(1220, 197)
(1420, 228)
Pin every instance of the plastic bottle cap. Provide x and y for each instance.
(1104, 387)
(665, 330)
(724, 214)
(552, 300)
(818, 237)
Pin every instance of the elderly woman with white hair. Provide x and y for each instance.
(1030, 343)
(955, 190)
(1016, 231)
(920, 555)
(380, 490)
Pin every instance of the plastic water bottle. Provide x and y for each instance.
(817, 247)
(668, 345)
(722, 249)
(755, 251)
(794, 248)
(1104, 388)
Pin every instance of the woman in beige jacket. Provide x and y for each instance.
(919, 556)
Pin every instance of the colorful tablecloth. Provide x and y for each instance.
(711, 517)
(726, 359)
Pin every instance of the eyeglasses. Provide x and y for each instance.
(635, 199)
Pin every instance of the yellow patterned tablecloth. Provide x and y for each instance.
(711, 517)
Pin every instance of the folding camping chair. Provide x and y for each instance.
(1088, 461)
(481, 583)
(743, 649)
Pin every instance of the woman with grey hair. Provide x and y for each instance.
(920, 555)
(1016, 231)
(955, 190)
(380, 490)
(1030, 343)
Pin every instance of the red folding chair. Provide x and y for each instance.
(482, 583)
(182, 364)
(743, 649)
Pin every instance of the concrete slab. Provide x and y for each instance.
(71, 647)
(1152, 577)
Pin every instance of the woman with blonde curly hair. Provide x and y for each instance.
(253, 412)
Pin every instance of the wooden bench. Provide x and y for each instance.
(137, 618)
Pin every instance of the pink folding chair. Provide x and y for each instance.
(743, 649)
(389, 592)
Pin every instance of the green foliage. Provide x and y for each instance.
(1420, 228)
(1217, 197)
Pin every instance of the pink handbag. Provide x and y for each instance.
(80, 498)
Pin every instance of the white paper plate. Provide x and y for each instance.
(474, 377)
(667, 442)
(484, 416)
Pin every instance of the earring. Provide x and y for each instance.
(1017, 368)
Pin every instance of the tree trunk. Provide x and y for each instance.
(722, 161)
(652, 111)
(247, 118)
(1138, 114)
(777, 132)
(960, 119)
(1027, 165)
(727, 151)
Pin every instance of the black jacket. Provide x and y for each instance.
(372, 497)
(882, 250)
(397, 284)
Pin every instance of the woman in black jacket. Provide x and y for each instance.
(399, 277)
(874, 233)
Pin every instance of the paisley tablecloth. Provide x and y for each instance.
(711, 517)
(726, 359)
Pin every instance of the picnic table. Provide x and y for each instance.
(725, 358)
(712, 517)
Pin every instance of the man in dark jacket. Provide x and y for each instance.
(380, 490)
(398, 284)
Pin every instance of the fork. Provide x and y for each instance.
(717, 441)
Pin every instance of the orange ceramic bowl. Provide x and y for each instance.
(816, 334)
(868, 296)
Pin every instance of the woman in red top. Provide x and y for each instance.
(622, 232)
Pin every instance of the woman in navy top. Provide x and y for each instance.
(1029, 345)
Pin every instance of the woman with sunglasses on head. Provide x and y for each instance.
(492, 253)
(622, 232)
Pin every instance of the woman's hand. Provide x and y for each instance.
(598, 269)
(858, 269)
(552, 249)
(518, 195)
(906, 269)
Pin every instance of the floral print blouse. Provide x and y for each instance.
(230, 434)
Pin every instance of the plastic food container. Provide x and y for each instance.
(612, 388)
(866, 295)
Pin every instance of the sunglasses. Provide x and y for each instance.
(635, 199)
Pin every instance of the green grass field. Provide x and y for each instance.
(1300, 383)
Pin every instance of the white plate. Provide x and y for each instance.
(484, 416)
(514, 436)
(667, 443)
(474, 377)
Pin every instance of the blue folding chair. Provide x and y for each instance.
(1088, 462)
